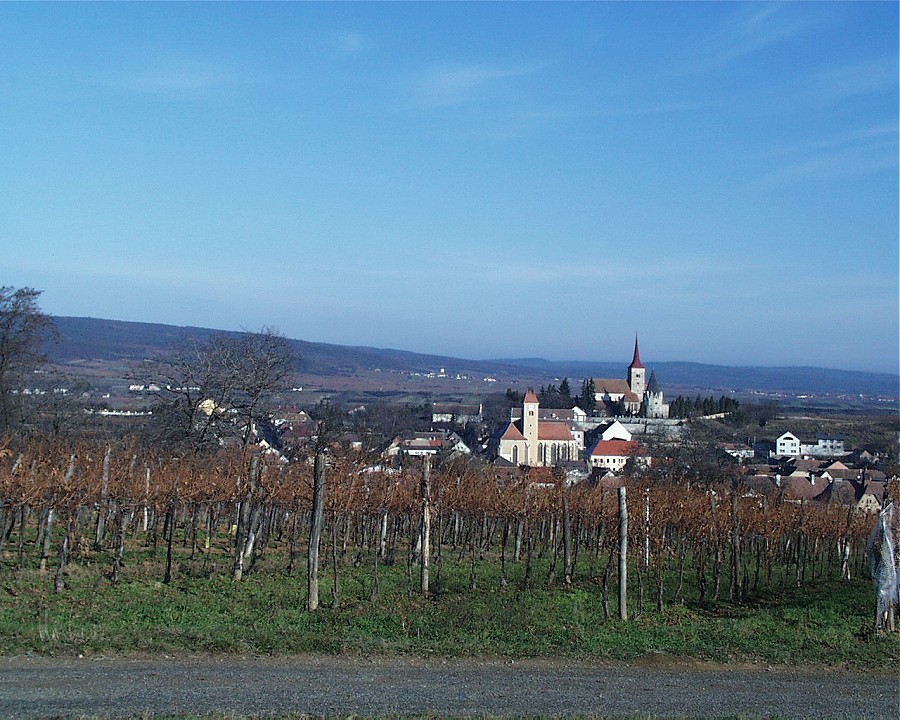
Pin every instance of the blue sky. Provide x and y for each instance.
(477, 180)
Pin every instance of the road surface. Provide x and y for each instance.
(35, 687)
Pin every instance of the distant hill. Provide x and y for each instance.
(113, 340)
(791, 380)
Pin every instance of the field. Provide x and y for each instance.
(145, 586)
(823, 623)
(105, 551)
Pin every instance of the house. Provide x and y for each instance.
(614, 431)
(833, 444)
(535, 442)
(871, 497)
(456, 413)
(788, 444)
(634, 394)
(613, 454)
(739, 451)
(427, 443)
(826, 446)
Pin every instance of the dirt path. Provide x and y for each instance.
(33, 687)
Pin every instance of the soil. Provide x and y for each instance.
(659, 686)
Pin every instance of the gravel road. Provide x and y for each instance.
(34, 687)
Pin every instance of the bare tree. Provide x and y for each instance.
(23, 330)
(218, 388)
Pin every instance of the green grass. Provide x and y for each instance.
(822, 623)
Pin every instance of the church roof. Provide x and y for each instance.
(530, 397)
(512, 432)
(554, 431)
(653, 384)
(636, 360)
(611, 386)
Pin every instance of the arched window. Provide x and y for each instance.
(515, 455)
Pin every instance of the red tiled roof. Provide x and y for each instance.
(617, 448)
(803, 489)
(611, 386)
(512, 432)
(530, 397)
(554, 431)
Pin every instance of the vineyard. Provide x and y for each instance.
(78, 503)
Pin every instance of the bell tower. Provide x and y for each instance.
(530, 426)
(637, 373)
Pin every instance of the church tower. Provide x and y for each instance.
(530, 416)
(654, 406)
(637, 373)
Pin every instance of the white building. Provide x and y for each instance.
(788, 444)
(613, 454)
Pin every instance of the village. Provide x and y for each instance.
(628, 435)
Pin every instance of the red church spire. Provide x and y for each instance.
(636, 360)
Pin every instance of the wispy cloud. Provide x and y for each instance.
(444, 266)
(176, 77)
(862, 78)
(857, 152)
(350, 43)
(752, 29)
(449, 85)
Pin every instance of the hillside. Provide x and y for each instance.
(89, 339)
(792, 380)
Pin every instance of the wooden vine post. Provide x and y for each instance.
(425, 530)
(623, 555)
(315, 532)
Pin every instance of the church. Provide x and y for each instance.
(545, 438)
(634, 395)
(536, 442)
